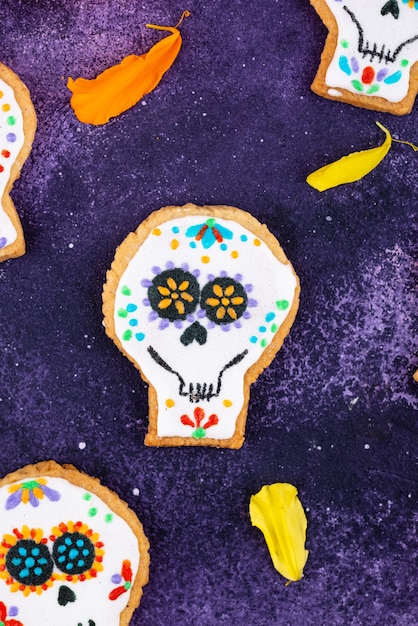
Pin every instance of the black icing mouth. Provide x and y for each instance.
(383, 53)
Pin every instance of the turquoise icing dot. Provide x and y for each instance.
(133, 322)
(244, 238)
(270, 316)
(140, 336)
(223, 246)
(193, 244)
(344, 65)
(131, 308)
(253, 339)
(262, 329)
(175, 229)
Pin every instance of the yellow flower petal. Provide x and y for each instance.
(165, 303)
(217, 290)
(350, 168)
(164, 291)
(184, 285)
(229, 290)
(212, 302)
(277, 512)
(171, 283)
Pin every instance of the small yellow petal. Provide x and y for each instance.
(212, 302)
(165, 303)
(184, 285)
(164, 291)
(229, 290)
(350, 168)
(232, 313)
(171, 283)
(220, 313)
(179, 307)
(217, 290)
(277, 512)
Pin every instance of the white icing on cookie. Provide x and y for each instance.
(197, 306)
(70, 546)
(377, 46)
(11, 142)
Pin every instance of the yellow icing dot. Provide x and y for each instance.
(175, 244)
(1, 94)
(6, 107)
(156, 232)
(205, 259)
(169, 403)
(234, 254)
(227, 403)
(257, 242)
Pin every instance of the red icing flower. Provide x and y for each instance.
(3, 617)
(199, 416)
(126, 576)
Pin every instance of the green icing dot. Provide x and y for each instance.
(282, 305)
(373, 89)
(122, 313)
(127, 585)
(87, 496)
(92, 512)
(199, 433)
(127, 335)
(344, 43)
(263, 343)
(125, 290)
(108, 518)
(404, 62)
(211, 222)
(11, 120)
(357, 85)
(274, 328)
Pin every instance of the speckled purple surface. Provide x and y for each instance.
(233, 122)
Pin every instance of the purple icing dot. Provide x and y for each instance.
(170, 265)
(196, 273)
(252, 302)
(152, 316)
(248, 288)
(211, 276)
(163, 324)
(211, 325)
(116, 579)
(156, 270)
(226, 327)
(3, 242)
(238, 277)
(224, 273)
(201, 313)
(237, 324)
(11, 137)
(178, 324)
(354, 65)
(246, 315)
(381, 74)
(185, 267)
(146, 282)
(190, 317)
(145, 302)
(13, 611)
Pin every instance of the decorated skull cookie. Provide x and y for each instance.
(17, 130)
(200, 299)
(370, 54)
(71, 552)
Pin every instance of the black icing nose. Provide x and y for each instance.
(391, 8)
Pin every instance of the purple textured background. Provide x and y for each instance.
(233, 122)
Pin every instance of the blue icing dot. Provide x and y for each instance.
(253, 339)
(193, 244)
(133, 322)
(131, 308)
(244, 238)
(223, 246)
(175, 229)
(262, 329)
(270, 317)
(140, 336)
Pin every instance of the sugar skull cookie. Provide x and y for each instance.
(71, 552)
(371, 53)
(17, 131)
(200, 299)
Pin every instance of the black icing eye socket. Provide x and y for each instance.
(29, 562)
(391, 8)
(73, 553)
(174, 294)
(224, 300)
